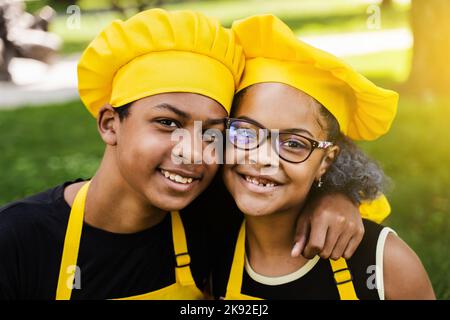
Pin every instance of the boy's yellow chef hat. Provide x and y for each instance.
(274, 54)
(158, 51)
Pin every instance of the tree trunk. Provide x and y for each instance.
(386, 4)
(430, 73)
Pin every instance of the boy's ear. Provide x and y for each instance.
(329, 157)
(107, 123)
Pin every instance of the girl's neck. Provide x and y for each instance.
(112, 205)
(269, 241)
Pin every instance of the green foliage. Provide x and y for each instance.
(42, 147)
(415, 154)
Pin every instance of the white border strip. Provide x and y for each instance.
(379, 278)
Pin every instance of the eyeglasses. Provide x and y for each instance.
(292, 147)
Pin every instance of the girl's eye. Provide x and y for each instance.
(293, 144)
(210, 136)
(168, 123)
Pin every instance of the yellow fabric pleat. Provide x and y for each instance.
(343, 279)
(376, 210)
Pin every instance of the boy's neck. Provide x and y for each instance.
(111, 205)
(269, 241)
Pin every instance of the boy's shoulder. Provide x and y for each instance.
(35, 209)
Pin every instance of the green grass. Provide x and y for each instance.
(43, 146)
(415, 154)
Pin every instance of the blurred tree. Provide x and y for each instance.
(385, 4)
(140, 5)
(430, 73)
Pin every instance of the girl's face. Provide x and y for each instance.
(265, 183)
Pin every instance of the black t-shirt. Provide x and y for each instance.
(111, 265)
(316, 284)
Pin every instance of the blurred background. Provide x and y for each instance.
(47, 137)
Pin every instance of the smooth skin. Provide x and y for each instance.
(271, 212)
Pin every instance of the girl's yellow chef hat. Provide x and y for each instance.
(158, 51)
(274, 54)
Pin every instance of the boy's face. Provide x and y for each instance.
(145, 153)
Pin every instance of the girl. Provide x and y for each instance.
(316, 103)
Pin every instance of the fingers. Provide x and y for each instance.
(336, 239)
(300, 237)
(297, 249)
(341, 245)
(316, 240)
(333, 234)
(354, 243)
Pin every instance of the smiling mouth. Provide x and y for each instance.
(261, 182)
(176, 177)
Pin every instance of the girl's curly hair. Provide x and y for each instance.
(352, 173)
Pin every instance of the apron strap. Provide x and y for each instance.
(343, 279)
(342, 275)
(237, 267)
(182, 258)
(71, 245)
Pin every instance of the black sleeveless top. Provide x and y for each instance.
(316, 281)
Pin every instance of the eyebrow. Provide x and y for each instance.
(299, 130)
(212, 122)
(290, 130)
(174, 109)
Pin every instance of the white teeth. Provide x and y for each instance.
(176, 177)
(255, 181)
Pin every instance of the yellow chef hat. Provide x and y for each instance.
(274, 54)
(158, 51)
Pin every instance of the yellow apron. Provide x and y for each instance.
(183, 289)
(342, 275)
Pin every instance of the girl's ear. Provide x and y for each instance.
(107, 124)
(329, 157)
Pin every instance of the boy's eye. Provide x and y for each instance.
(168, 123)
